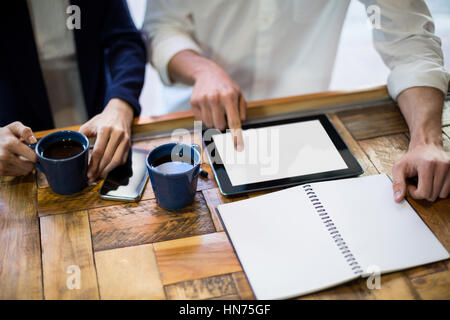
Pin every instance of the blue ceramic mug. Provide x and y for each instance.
(175, 189)
(67, 175)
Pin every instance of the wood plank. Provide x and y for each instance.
(129, 273)
(41, 180)
(66, 242)
(366, 164)
(213, 198)
(243, 287)
(146, 222)
(433, 286)
(50, 203)
(446, 114)
(436, 216)
(427, 269)
(446, 141)
(394, 286)
(195, 257)
(383, 152)
(374, 121)
(20, 252)
(446, 131)
(200, 289)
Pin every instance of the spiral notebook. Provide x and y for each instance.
(311, 237)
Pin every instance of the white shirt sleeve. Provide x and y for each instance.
(404, 37)
(169, 30)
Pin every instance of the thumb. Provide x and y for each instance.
(399, 183)
(22, 132)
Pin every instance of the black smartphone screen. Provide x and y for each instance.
(127, 182)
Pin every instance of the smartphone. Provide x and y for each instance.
(127, 182)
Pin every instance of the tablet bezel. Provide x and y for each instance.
(224, 183)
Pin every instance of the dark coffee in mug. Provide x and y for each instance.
(63, 149)
(172, 165)
(63, 158)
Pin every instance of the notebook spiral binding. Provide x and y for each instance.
(328, 222)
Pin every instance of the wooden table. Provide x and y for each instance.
(141, 251)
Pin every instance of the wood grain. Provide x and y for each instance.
(427, 269)
(436, 216)
(129, 273)
(433, 286)
(206, 288)
(20, 252)
(195, 257)
(446, 114)
(243, 287)
(213, 198)
(66, 242)
(41, 180)
(51, 203)
(394, 286)
(374, 121)
(446, 131)
(383, 152)
(366, 164)
(146, 222)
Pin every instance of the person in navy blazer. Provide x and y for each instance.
(111, 58)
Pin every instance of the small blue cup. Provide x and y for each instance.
(65, 176)
(174, 190)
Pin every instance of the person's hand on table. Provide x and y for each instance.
(431, 165)
(216, 99)
(16, 158)
(112, 129)
(426, 158)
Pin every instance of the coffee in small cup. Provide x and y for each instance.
(63, 149)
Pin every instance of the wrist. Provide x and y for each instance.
(426, 137)
(120, 107)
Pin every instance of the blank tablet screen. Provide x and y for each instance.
(277, 152)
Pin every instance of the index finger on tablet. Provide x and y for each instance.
(234, 122)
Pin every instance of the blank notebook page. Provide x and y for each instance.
(283, 246)
(378, 231)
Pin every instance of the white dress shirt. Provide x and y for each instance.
(275, 48)
(57, 57)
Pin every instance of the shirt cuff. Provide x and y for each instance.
(166, 49)
(418, 74)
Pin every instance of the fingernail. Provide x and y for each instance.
(397, 194)
(33, 139)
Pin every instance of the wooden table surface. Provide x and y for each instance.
(141, 251)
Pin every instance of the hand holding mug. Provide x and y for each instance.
(16, 158)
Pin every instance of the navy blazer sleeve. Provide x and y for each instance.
(125, 55)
